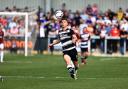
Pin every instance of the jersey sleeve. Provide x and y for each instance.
(58, 36)
(72, 32)
(3, 34)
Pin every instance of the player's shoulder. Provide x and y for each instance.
(85, 35)
(60, 30)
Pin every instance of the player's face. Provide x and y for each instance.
(64, 23)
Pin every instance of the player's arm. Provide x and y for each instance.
(54, 42)
(75, 36)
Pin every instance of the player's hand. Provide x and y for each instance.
(50, 45)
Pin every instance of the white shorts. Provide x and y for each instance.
(1, 46)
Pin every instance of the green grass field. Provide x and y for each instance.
(49, 72)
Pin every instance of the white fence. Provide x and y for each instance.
(58, 46)
(106, 40)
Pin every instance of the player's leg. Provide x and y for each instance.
(74, 58)
(84, 56)
(76, 65)
(68, 61)
(1, 52)
(70, 65)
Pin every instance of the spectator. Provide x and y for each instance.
(89, 9)
(115, 21)
(114, 33)
(98, 28)
(21, 31)
(26, 9)
(93, 19)
(14, 31)
(77, 18)
(84, 16)
(95, 9)
(120, 14)
(124, 25)
(3, 21)
(126, 16)
(107, 20)
(14, 9)
(100, 20)
(12, 24)
(123, 36)
(103, 34)
(13, 48)
(64, 7)
(110, 14)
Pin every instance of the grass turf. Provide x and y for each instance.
(49, 72)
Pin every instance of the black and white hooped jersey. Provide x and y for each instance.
(84, 40)
(65, 38)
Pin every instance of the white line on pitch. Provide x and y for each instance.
(103, 59)
(57, 77)
(40, 77)
(17, 62)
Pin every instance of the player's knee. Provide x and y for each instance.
(66, 56)
(86, 54)
(84, 57)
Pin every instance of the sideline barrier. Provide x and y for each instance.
(58, 46)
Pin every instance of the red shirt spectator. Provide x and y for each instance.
(1, 36)
(115, 32)
(3, 21)
(90, 29)
(14, 31)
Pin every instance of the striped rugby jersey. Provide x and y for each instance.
(84, 40)
(65, 38)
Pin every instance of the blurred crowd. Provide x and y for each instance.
(97, 23)
(13, 25)
(14, 29)
(92, 19)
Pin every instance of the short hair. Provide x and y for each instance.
(64, 18)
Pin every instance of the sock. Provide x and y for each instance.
(1, 56)
(71, 70)
(70, 65)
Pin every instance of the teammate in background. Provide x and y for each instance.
(67, 37)
(84, 39)
(1, 44)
